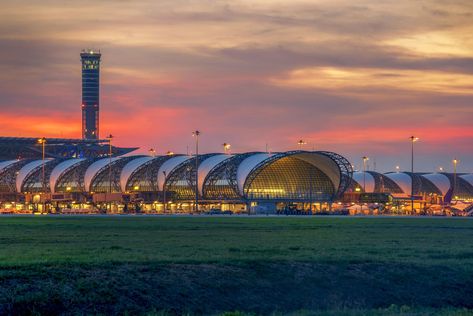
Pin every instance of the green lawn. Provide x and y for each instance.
(208, 265)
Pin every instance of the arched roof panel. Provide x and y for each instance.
(60, 169)
(441, 181)
(26, 170)
(6, 164)
(323, 162)
(207, 165)
(369, 181)
(94, 168)
(129, 168)
(403, 180)
(168, 167)
(468, 178)
(246, 166)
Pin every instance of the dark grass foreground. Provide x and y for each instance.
(304, 266)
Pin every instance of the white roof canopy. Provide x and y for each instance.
(324, 163)
(59, 170)
(403, 180)
(6, 164)
(94, 169)
(441, 181)
(167, 167)
(369, 181)
(129, 168)
(27, 170)
(246, 166)
(468, 178)
(206, 166)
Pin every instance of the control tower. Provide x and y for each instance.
(90, 93)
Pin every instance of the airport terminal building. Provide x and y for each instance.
(90, 174)
(435, 190)
(262, 182)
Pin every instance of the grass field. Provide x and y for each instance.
(212, 265)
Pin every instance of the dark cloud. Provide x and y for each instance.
(172, 66)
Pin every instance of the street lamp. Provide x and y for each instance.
(455, 162)
(226, 147)
(42, 141)
(301, 143)
(164, 191)
(152, 152)
(110, 137)
(365, 159)
(397, 169)
(413, 139)
(196, 134)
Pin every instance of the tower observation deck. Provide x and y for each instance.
(90, 93)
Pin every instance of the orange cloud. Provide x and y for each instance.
(35, 126)
(353, 80)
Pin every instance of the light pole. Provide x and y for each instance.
(152, 152)
(301, 143)
(226, 147)
(110, 137)
(455, 162)
(413, 139)
(397, 169)
(42, 141)
(365, 159)
(196, 134)
(164, 192)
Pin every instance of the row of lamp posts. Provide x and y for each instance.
(226, 148)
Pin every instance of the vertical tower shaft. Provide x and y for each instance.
(90, 93)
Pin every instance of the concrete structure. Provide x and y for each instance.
(90, 93)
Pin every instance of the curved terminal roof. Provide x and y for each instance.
(441, 181)
(323, 163)
(246, 166)
(60, 169)
(168, 167)
(468, 178)
(129, 168)
(93, 169)
(6, 164)
(403, 180)
(26, 170)
(369, 181)
(207, 165)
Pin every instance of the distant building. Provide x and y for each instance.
(90, 93)
(30, 148)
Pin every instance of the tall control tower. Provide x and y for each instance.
(90, 93)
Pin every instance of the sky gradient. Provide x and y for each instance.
(357, 79)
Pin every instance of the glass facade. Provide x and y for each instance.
(422, 185)
(34, 182)
(8, 176)
(221, 183)
(383, 184)
(289, 179)
(460, 188)
(145, 178)
(101, 181)
(298, 177)
(182, 180)
(72, 180)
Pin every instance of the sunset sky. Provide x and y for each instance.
(354, 77)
